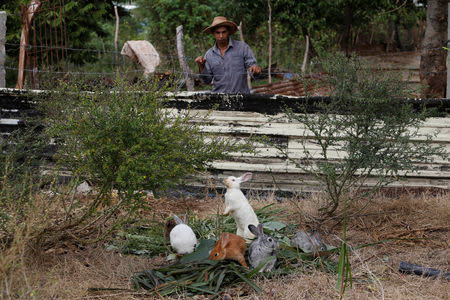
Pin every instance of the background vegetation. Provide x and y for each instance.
(330, 25)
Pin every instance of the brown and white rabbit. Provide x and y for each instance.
(229, 246)
(237, 204)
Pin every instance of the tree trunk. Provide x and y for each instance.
(433, 58)
(2, 48)
(27, 18)
(270, 41)
(305, 56)
(116, 38)
(348, 19)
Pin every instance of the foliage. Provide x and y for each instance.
(365, 130)
(82, 23)
(90, 29)
(206, 276)
(162, 17)
(195, 274)
(199, 277)
(124, 138)
(146, 241)
(149, 240)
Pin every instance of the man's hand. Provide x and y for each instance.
(201, 61)
(255, 69)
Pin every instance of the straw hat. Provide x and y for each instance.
(221, 21)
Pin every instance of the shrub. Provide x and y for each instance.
(125, 138)
(365, 130)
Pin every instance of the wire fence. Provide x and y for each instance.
(47, 54)
(107, 65)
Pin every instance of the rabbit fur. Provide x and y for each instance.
(237, 204)
(229, 246)
(262, 248)
(308, 242)
(182, 237)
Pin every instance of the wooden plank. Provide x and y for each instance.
(301, 184)
(242, 117)
(286, 167)
(295, 130)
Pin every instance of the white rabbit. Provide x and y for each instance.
(182, 237)
(237, 204)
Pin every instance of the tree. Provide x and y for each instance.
(162, 17)
(433, 58)
(83, 23)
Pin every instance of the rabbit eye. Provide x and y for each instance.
(232, 179)
(269, 239)
(216, 254)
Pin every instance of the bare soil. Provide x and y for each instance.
(418, 225)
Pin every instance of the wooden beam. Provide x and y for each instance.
(182, 59)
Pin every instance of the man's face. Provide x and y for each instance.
(221, 34)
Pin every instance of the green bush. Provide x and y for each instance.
(124, 138)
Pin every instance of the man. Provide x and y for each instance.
(227, 62)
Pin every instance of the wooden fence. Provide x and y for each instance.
(242, 116)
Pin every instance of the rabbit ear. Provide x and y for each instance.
(260, 229)
(246, 177)
(177, 220)
(316, 236)
(225, 237)
(253, 229)
(186, 218)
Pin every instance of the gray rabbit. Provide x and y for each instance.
(262, 248)
(308, 242)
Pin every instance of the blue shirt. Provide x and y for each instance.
(229, 72)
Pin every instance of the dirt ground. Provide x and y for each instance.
(421, 220)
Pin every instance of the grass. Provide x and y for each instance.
(418, 223)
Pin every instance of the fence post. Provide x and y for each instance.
(2, 48)
(241, 35)
(182, 59)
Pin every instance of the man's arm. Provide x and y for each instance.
(250, 61)
(204, 69)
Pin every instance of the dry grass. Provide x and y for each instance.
(420, 220)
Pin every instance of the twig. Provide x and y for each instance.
(436, 228)
(7, 288)
(370, 272)
(132, 293)
(111, 211)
